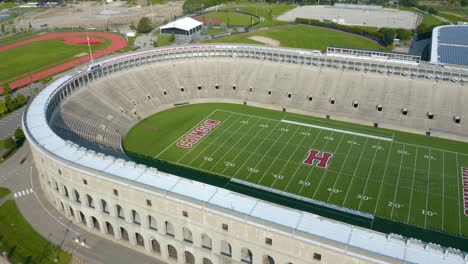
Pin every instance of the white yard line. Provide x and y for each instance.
(354, 173)
(279, 153)
(383, 178)
(443, 188)
(297, 167)
(398, 180)
(289, 159)
(412, 185)
(368, 176)
(222, 145)
(194, 147)
(261, 143)
(243, 149)
(427, 187)
(241, 136)
(326, 169)
(183, 135)
(337, 130)
(201, 152)
(341, 168)
(222, 110)
(459, 198)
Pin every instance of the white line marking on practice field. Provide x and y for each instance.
(412, 185)
(336, 130)
(427, 187)
(459, 198)
(383, 178)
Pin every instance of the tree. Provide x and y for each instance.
(10, 143)
(172, 38)
(3, 108)
(6, 88)
(463, 2)
(223, 26)
(3, 28)
(433, 11)
(30, 26)
(21, 100)
(13, 29)
(19, 135)
(209, 25)
(144, 26)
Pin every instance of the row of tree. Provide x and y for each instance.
(10, 103)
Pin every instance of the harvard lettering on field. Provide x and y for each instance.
(465, 189)
(198, 133)
(322, 161)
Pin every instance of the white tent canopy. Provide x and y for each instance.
(186, 23)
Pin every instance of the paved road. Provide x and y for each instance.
(18, 174)
(12, 121)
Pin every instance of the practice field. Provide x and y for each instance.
(304, 37)
(395, 175)
(230, 19)
(48, 54)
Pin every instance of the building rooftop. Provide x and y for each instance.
(186, 23)
(450, 45)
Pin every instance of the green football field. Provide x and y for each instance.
(404, 177)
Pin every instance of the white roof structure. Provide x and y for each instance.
(186, 23)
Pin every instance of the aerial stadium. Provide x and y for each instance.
(230, 153)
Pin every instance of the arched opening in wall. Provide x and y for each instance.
(189, 258)
(169, 229)
(226, 248)
(104, 206)
(62, 207)
(95, 223)
(155, 246)
(89, 201)
(152, 224)
(246, 255)
(139, 240)
(187, 235)
(82, 218)
(136, 217)
(66, 191)
(110, 229)
(207, 261)
(124, 234)
(71, 211)
(206, 241)
(172, 252)
(56, 185)
(268, 260)
(77, 196)
(120, 212)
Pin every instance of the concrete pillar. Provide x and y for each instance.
(144, 221)
(257, 257)
(236, 252)
(76, 212)
(197, 239)
(117, 233)
(132, 238)
(164, 253)
(147, 244)
(89, 222)
(102, 225)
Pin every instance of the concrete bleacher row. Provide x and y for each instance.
(98, 115)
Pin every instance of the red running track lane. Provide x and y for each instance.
(118, 42)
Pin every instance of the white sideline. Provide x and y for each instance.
(336, 130)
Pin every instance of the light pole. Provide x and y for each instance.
(89, 46)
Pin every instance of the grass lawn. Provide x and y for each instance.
(164, 40)
(7, 6)
(230, 19)
(24, 59)
(453, 18)
(4, 191)
(409, 178)
(17, 37)
(266, 11)
(22, 243)
(461, 11)
(431, 20)
(305, 37)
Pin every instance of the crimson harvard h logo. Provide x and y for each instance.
(322, 159)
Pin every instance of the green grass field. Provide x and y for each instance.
(305, 37)
(405, 177)
(30, 57)
(267, 12)
(230, 19)
(431, 20)
(22, 243)
(164, 40)
(4, 191)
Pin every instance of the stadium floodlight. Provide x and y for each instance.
(89, 45)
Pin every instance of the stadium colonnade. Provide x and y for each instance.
(76, 126)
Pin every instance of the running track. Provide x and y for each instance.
(118, 42)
